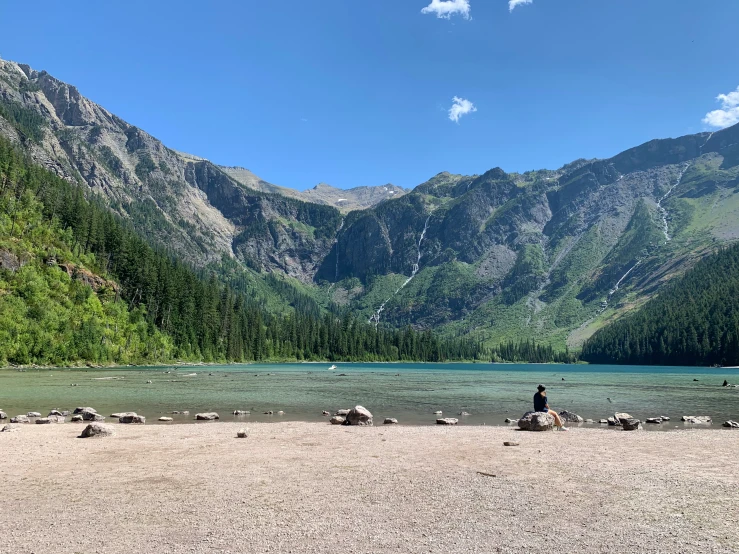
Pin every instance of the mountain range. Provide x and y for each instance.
(552, 255)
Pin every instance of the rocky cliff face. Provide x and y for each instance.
(549, 254)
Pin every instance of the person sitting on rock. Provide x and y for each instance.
(541, 405)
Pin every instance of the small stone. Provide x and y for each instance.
(33, 414)
(438, 412)
(165, 418)
(511, 443)
(390, 421)
(464, 413)
(148, 382)
(613, 422)
(242, 433)
(447, 421)
(76, 418)
(337, 420)
(325, 413)
(97, 430)
(654, 420)
(207, 416)
(132, 418)
(241, 412)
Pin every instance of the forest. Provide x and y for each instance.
(693, 321)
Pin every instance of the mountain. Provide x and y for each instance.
(551, 255)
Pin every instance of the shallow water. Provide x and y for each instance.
(409, 392)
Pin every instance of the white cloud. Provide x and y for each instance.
(728, 114)
(447, 8)
(459, 108)
(512, 4)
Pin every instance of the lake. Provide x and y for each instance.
(409, 392)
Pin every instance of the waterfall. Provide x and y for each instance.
(414, 269)
(665, 226)
(336, 245)
(700, 150)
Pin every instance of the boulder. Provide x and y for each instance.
(630, 424)
(337, 420)
(447, 421)
(165, 418)
(536, 421)
(342, 412)
(731, 423)
(97, 430)
(241, 412)
(80, 410)
(242, 433)
(9, 428)
(622, 415)
(570, 417)
(132, 418)
(390, 421)
(76, 418)
(33, 414)
(359, 415)
(696, 419)
(664, 418)
(119, 415)
(655, 420)
(207, 416)
(613, 422)
(20, 419)
(92, 416)
(3, 415)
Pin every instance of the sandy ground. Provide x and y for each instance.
(308, 487)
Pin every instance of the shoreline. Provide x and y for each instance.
(314, 488)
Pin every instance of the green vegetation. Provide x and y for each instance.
(26, 121)
(694, 321)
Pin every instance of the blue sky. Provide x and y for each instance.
(356, 93)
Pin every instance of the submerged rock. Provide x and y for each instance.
(359, 415)
(325, 413)
(654, 420)
(33, 414)
(97, 430)
(464, 413)
(241, 412)
(447, 421)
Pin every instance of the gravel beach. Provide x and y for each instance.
(312, 487)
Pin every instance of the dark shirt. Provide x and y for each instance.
(540, 402)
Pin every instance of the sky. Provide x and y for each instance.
(368, 92)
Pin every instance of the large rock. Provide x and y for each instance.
(119, 415)
(3, 415)
(132, 418)
(622, 415)
(697, 419)
(570, 417)
(92, 416)
(343, 413)
(83, 409)
(630, 424)
(731, 423)
(536, 421)
(359, 415)
(20, 419)
(337, 420)
(447, 421)
(207, 416)
(97, 430)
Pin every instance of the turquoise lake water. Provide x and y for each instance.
(409, 392)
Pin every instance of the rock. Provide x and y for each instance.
(58, 413)
(165, 418)
(242, 433)
(81, 410)
(630, 424)
(337, 420)
(20, 419)
(390, 421)
(325, 413)
(56, 419)
(464, 413)
(536, 421)
(613, 422)
(588, 421)
(447, 421)
(570, 417)
(359, 415)
(438, 412)
(43, 420)
(33, 414)
(207, 416)
(731, 423)
(119, 415)
(92, 416)
(664, 418)
(148, 382)
(603, 421)
(9, 428)
(726, 383)
(97, 430)
(511, 443)
(181, 413)
(3, 415)
(655, 420)
(509, 420)
(696, 419)
(242, 412)
(622, 415)
(280, 413)
(132, 418)
(76, 418)
(269, 412)
(342, 412)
